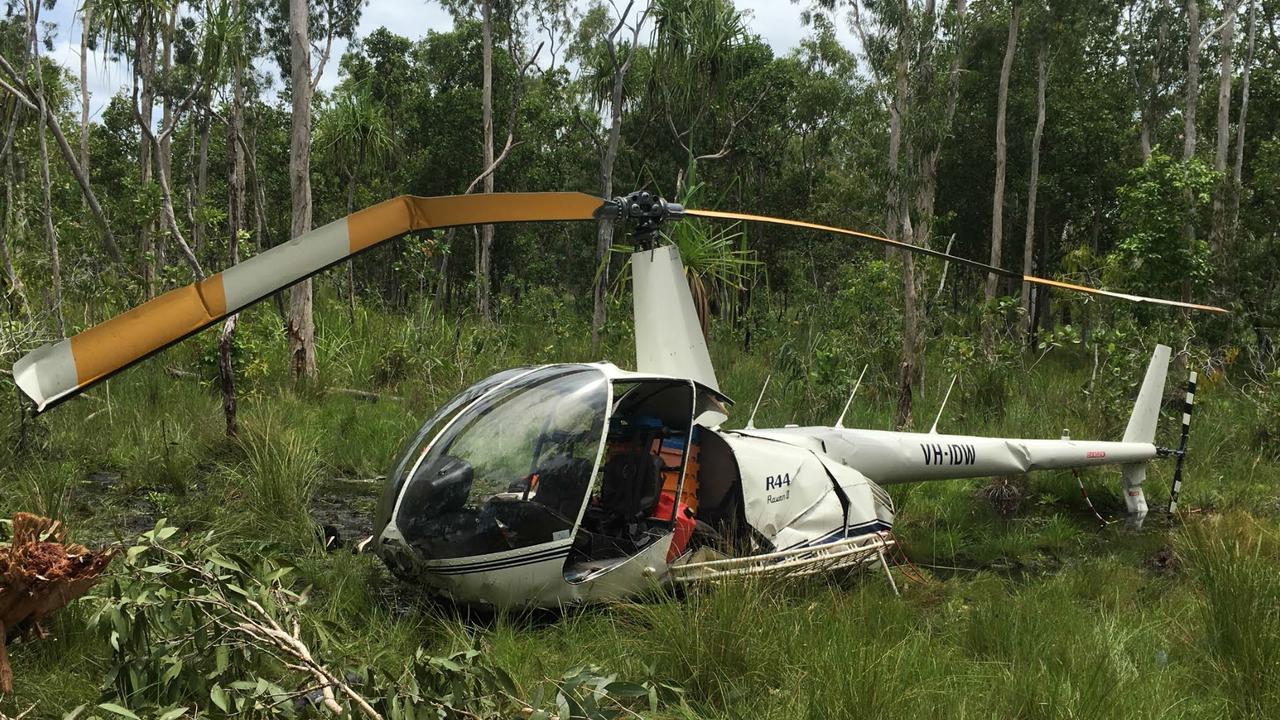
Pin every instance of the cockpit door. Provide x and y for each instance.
(636, 496)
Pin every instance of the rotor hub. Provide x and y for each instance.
(645, 212)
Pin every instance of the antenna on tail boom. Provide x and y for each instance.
(847, 403)
(934, 430)
(751, 421)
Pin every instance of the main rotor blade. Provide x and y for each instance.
(722, 215)
(56, 372)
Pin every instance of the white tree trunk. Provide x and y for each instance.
(1033, 183)
(1225, 68)
(1148, 112)
(86, 17)
(1238, 170)
(485, 256)
(46, 199)
(1189, 118)
(145, 63)
(300, 323)
(1002, 153)
(604, 228)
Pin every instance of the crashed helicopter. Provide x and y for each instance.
(570, 483)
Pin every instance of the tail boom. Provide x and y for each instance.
(892, 457)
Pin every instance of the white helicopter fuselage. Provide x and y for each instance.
(805, 499)
(898, 457)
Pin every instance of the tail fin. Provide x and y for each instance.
(669, 337)
(1142, 429)
(1142, 423)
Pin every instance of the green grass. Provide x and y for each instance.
(1040, 613)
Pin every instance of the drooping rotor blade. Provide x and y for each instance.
(722, 215)
(58, 371)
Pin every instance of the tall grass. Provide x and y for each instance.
(1059, 618)
(1236, 564)
(269, 489)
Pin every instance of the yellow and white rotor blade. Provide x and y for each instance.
(55, 372)
(723, 215)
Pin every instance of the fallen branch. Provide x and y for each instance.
(363, 394)
(183, 374)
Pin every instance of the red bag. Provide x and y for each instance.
(685, 523)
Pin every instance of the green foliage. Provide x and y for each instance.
(271, 486)
(1160, 198)
(197, 628)
(253, 346)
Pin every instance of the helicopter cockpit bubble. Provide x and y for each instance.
(510, 469)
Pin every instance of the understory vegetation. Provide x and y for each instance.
(1019, 603)
(1131, 146)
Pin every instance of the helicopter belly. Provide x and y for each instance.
(538, 579)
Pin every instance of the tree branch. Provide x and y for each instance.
(108, 238)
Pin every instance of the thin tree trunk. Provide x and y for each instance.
(896, 109)
(10, 273)
(300, 324)
(164, 154)
(86, 17)
(1033, 183)
(918, 233)
(46, 199)
(1225, 69)
(1189, 120)
(1238, 170)
(604, 228)
(1149, 118)
(1002, 153)
(144, 62)
(199, 180)
(235, 221)
(30, 100)
(10, 210)
(484, 257)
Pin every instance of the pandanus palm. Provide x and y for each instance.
(717, 263)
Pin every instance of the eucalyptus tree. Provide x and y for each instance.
(1042, 28)
(131, 28)
(606, 58)
(1241, 119)
(927, 46)
(302, 36)
(1149, 57)
(51, 237)
(352, 132)
(1226, 69)
(86, 34)
(1191, 99)
(1002, 152)
(300, 325)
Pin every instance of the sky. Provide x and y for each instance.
(776, 21)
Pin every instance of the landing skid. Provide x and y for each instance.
(862, 551)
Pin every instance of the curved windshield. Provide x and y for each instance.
(512, 470)
(429, 430)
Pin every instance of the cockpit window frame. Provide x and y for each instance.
(465, 411)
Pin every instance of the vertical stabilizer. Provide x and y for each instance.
(1142, 429)
(669, 337)
(1142, 423)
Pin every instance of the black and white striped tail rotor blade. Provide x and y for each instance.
(1187, 406)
